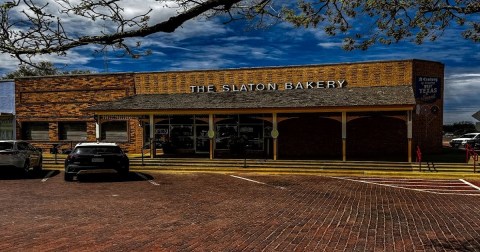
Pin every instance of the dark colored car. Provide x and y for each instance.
(96, 156)
(20, 155)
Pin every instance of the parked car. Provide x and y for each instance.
(20, 155)
(96, 156)
(473, 139)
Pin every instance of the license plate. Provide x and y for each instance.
(97, 160)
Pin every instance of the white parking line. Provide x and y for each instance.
(49, 174)
(254, 181)
(453, 190)
(151, 181)
(470, 184)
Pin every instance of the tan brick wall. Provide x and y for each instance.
(390, 73)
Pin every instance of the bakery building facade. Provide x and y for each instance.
(351, 111)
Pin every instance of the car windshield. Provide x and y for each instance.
(89, 150)
(469, 135)
(6, 146)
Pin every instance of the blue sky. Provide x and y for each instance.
(209, 44)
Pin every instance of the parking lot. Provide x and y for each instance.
(236, 212)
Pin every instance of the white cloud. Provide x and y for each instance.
(462, 96)
(74, 58)
(235, 39)
(328, 45)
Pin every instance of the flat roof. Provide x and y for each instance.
(273, 99)
(236, 69)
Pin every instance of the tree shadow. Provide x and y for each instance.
(18, 174)
(102, 177)
(466, 245)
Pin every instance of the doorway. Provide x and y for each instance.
(202, 141)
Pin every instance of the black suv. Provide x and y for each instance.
(95, 156)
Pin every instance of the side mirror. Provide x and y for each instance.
(67, 152)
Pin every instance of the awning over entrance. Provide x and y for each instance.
(395, 97)
(283, 113)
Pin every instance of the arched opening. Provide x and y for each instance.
(310, 136)
(377, 137)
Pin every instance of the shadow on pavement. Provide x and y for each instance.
(100, 177)
(17, 174)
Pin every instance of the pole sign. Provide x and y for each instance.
(477, 115)
(427, 89)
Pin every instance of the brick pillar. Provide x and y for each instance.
(53, 131)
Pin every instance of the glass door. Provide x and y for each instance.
(202, 141)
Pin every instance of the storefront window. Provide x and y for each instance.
(6, 129)
(246, 130)
(181, 132)
(37, 131)
(226, 134)
(254, 135)
(116, 131)
(74, 131)
(181, 136)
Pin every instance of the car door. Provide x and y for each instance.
(35, 155)
(26, 153)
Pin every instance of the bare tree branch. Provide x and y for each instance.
(34, 27)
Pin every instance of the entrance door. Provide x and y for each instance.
(202, 141)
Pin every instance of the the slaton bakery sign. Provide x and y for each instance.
(268, 86)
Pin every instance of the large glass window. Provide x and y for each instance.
(76, 131)
(226, 135)
(233, 130)
(116, 131)
(37, 131)
(181, 136)
(181, 132)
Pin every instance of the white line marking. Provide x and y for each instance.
(429, 185)
(49, 174)
(251, 180)
(254, 181)
(405, 188)
(417, 182)
(146, 179)
(470, 184)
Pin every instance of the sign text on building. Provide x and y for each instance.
(427, 88)
(268, 86)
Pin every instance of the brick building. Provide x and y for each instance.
(7, 110)
(366, 110)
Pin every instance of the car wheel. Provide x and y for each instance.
(68, 177)
(26, 167)
(124, 172)
(39, 167)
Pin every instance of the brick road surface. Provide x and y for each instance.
(219, 212)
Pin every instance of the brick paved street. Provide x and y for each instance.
(220, 212)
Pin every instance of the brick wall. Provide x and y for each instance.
(64, 98)
(390, 73)
(428, 125)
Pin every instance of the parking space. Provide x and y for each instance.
(235, 212)
(436, 186)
